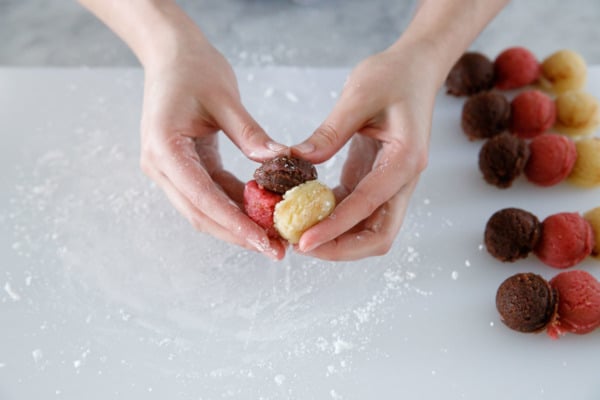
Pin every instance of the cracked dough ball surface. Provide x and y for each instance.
(302, 207)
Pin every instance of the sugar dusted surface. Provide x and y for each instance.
(104, 282)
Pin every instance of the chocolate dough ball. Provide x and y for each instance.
(472, 73)
(283, 173)
(502, 159)
(485, 115)
(511, 234)
(526, 302)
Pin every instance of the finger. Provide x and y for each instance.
(211, 161)
(346, 118)
(377, 235)
(389, 174)
(359, 161)
(247, 134)
(203, 223)
(185, 172)
(230, 185)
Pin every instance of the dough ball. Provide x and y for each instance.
(302, 207)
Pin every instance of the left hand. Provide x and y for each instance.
(386, 108)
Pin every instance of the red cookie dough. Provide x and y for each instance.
(567, 239)
(259, 205)
(516, 67)
(532, 113)
(578, 303)
(551, 159)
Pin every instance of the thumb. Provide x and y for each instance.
(341, 124)
(247, 134)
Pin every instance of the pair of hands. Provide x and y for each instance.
(385, 110)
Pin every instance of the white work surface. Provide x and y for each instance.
(107, 293)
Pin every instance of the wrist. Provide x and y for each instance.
(155, 30)
(444, 29)
(425, 59)
(164, 34)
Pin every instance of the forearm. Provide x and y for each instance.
(149, 27)
(448, 27)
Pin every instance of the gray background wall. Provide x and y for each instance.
(286, 32)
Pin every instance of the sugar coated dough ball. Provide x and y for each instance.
(586, 171)
(302, 207)
(563, 70)
(593, 217)
(577, 113)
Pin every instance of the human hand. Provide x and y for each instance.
(385, 108)
(191, 94)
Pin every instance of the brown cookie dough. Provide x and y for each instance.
(472, 73)
(526, 302)
(502, 159)
(511, 234)
(485, 115)
(283, 173)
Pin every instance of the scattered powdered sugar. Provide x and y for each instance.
(279, 379)
(37, 355)
(269, 92)
(14, 296)
(291, 97)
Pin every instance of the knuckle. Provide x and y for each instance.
(249, 131)
(197, 224)
(145, 165)
(422, 160)
(384, 245)
(327, 134)
(413, 156)
(148, 158)
(368, 203)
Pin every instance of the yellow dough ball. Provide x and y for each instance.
(577, 113)
(563, 70)
(586, 171)
(593, 217)
(302, 207)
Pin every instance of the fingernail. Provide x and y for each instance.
(273, 255)
(260, 245)
(275, 147)
(305, 147)
(308, 249)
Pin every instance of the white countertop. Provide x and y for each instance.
(107, 293)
